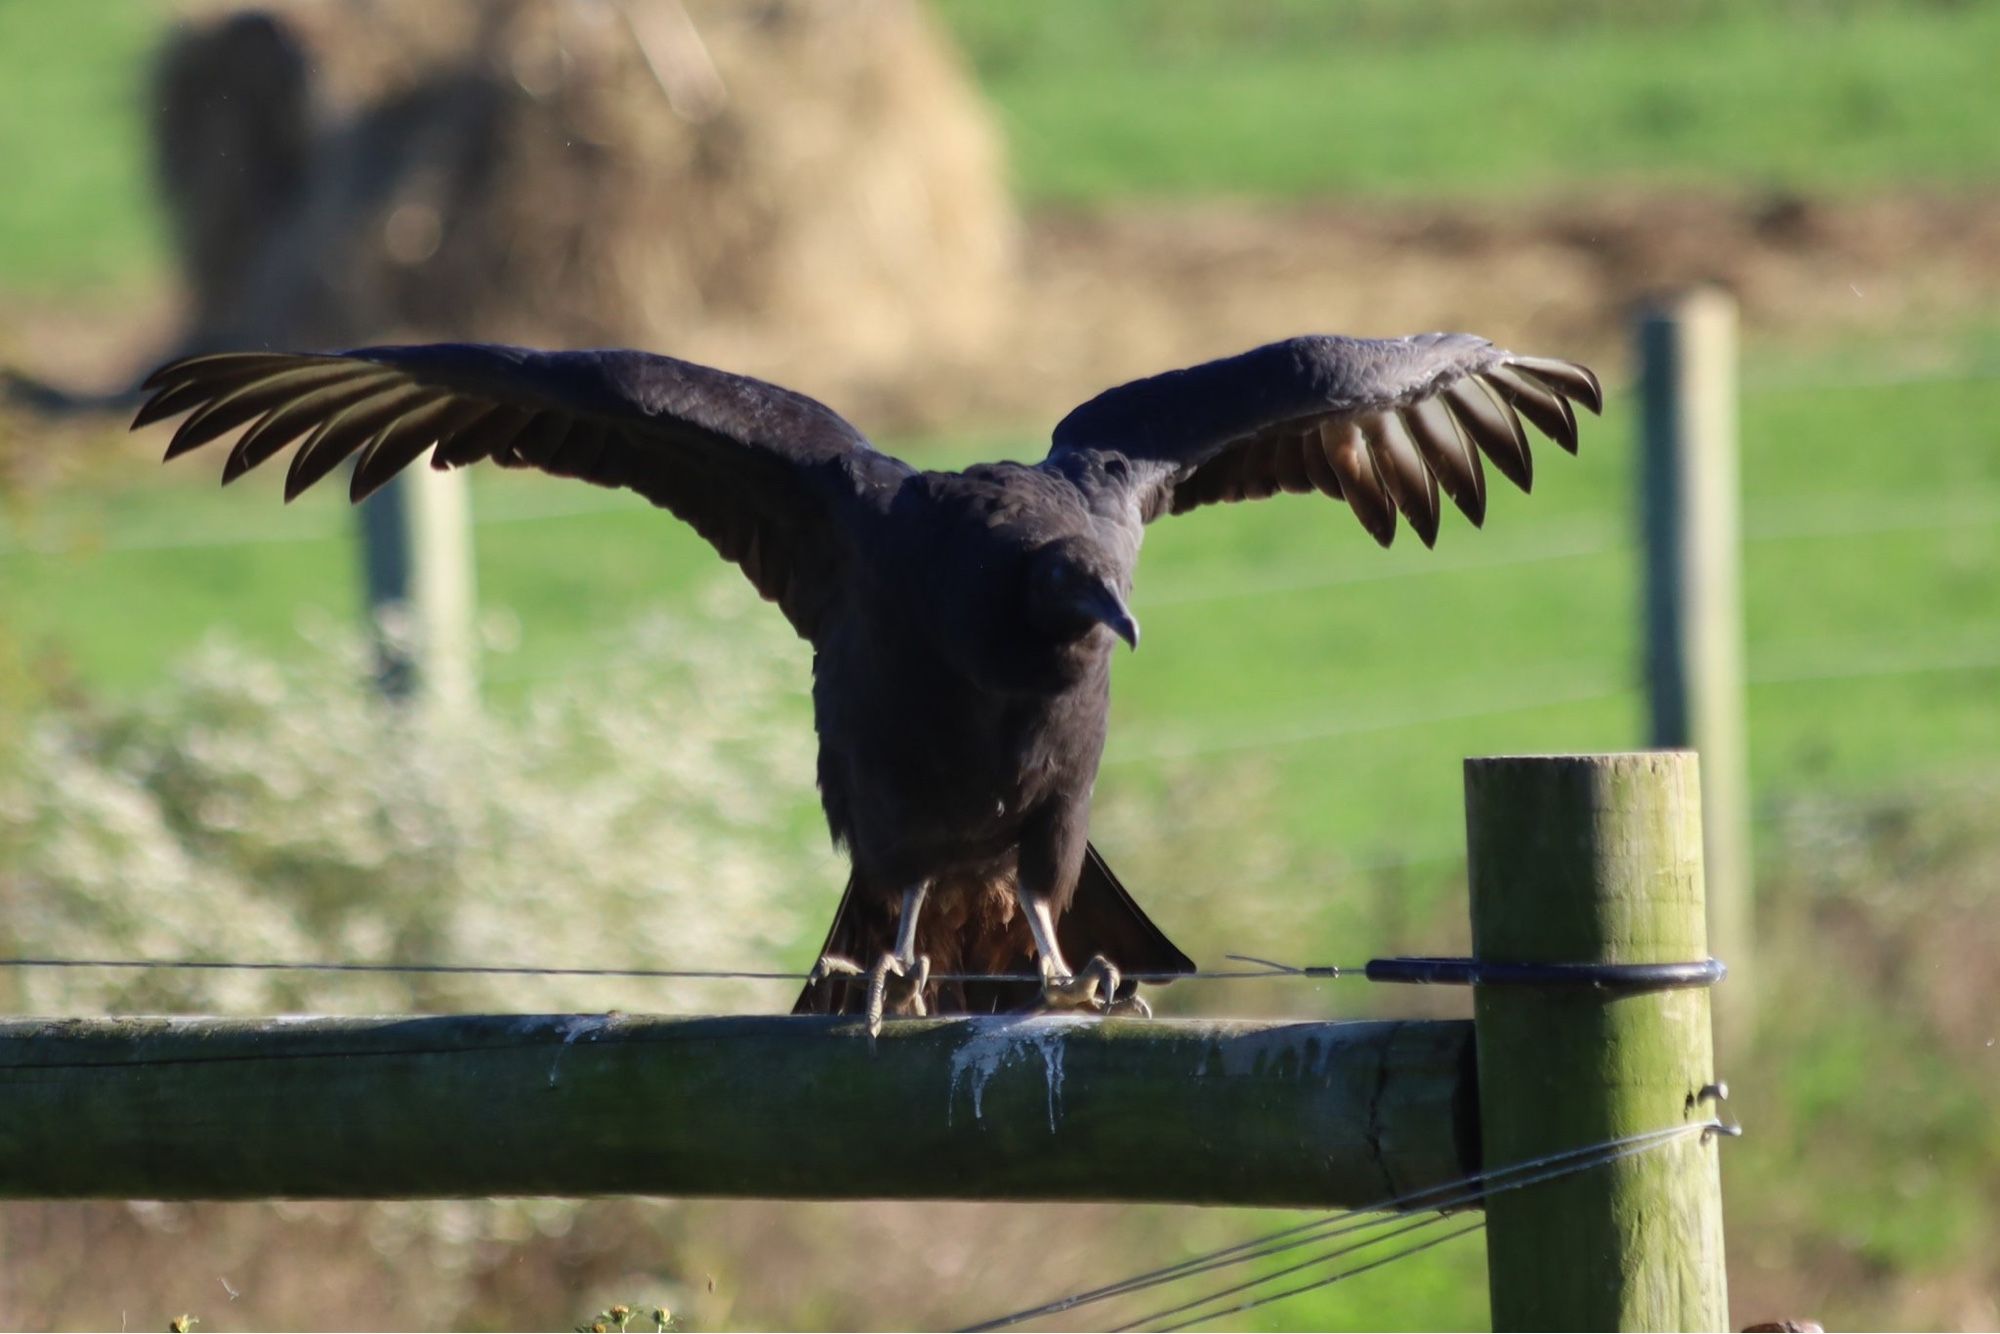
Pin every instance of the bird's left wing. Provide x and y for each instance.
(758, 470)
(1379, 422)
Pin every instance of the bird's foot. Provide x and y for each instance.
(831, 965)
(1093, 988)
(918, 970)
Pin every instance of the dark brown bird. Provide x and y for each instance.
(962, 623)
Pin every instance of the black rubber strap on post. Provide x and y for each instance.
(1619, 977)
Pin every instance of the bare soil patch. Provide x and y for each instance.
(1104, 296)
(1110, 295)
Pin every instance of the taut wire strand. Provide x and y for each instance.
(1262, 970)
(1449, 1195)
(1600, 1156)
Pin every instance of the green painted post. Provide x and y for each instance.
(1594, 859)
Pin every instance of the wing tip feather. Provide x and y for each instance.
(1595, 402)
(154, 409)
(1571, 379)
(168, 371)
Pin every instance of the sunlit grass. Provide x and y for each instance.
(77, 212)
(1133, 98)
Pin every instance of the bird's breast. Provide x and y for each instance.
(927, 767)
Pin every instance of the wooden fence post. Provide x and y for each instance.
(1690, 481)
(1594, 859)
(416, 552)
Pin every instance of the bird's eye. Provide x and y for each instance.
(1116, 468)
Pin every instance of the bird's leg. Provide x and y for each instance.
(901, 961)
(1061, 989)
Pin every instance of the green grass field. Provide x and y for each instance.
(79, 214)
(1133, 98)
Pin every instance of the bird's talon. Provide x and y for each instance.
(1104, 978)
(878, 989)
(1133, 1006)
(1091, 989)
(828, 966)
(917, 970)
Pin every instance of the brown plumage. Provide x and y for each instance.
(962, 623)
(975, 929)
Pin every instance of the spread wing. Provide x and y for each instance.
(1382, 423)
(761, 472)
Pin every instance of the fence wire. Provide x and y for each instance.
(1437, 1202)
(1253, 969)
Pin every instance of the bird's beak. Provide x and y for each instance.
(1107, 608)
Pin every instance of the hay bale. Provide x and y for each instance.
(805, 189)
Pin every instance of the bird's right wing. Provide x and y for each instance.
(1379, 422)
(761, 472)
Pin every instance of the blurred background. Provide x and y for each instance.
(952, 221)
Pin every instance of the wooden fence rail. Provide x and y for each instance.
(1042, 1108)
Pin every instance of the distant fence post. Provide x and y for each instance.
(1690, 480)
(416, 541)
(1594, 859)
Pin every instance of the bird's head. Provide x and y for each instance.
(1073, 589)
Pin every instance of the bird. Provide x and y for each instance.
(962, 623)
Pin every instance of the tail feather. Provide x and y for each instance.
(1102, 918)
(861, 930)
